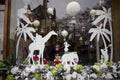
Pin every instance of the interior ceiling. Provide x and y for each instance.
(2, 2)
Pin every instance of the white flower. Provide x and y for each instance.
(108, 76)
(84, 73)
(16, 77)
(96, 67)
(33, 68)
(68, 77)
(74, 74)
(103, 65)
(80, 77)
(49, 76)
(27, 69)
(14, 70)
(26, 78)
(24, 73)
(114, 68)
(93, 75)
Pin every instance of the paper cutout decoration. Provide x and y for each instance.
(105, 55)
(71, 59)
(66, 45)
(22, 15)
(23, 30)
(103, 17)
(39, 44)
(99, 31)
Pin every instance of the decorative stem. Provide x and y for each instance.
(17, 45)
(111, 56)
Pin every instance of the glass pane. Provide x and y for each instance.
(79, 27)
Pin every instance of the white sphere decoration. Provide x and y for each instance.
(50, 11)
(36, 23)
(93, 12)
(73, 8)
(64, 33)
(14, 70)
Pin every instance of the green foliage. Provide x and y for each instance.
(25, 61)
(59, 66)
(79, 67)
(47, 66)
(6, 64)
(98, 64)
(37, 76)
(108, 64)
(10, 77)
(54, 72)
(100, 72)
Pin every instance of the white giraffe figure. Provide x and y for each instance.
(39, 44)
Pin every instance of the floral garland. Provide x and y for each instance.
(60, 71)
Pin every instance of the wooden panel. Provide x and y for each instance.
(116, 29)
(6, 29)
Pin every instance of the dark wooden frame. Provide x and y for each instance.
(116, 25)
(6, 28)
(116, 29)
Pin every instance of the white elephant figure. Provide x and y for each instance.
(70, 58)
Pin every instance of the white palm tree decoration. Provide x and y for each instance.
(23, 30)
(100, 32)
(104, 17)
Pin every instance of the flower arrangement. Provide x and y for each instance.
(60, 71)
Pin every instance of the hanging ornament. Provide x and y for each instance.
(64, 33)
(73, 8)
(36, 23)
(93, 13)
(50, 11)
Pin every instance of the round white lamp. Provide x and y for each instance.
(73, 8)
(64, 33)
(50, 11)
(93, 13)
(36, 23)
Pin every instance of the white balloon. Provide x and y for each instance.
(73, 8)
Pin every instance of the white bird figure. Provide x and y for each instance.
(39, 44)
